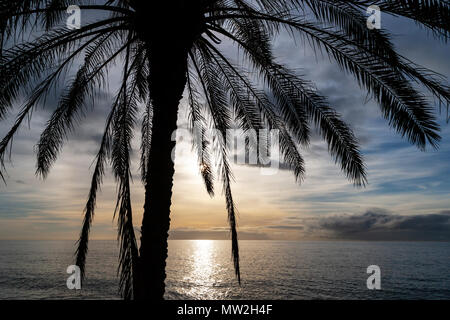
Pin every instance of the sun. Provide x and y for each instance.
(203, 168)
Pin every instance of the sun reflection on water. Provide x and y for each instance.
(204, 271)
(203, 262)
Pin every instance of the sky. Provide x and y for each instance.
(407, 197)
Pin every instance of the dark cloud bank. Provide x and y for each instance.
(381, 225)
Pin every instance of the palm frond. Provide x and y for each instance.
(433, 15)
(123, 124)
(39, 93)
(146, 139)
(302, 103)
(25, 63)
(85, 84)
(215, 94)
(198, 128)
(97, 178)
(406, 109)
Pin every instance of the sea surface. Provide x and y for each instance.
(202, 269)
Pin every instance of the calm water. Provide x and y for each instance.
(270, 270)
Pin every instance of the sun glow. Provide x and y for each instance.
(203, 168)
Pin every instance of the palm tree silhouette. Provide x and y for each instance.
(171, 48)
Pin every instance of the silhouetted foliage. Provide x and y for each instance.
(219, 91)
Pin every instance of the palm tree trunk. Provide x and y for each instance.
(168, 67)
(168, 43)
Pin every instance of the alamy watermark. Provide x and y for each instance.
(74, 281)
(374, 20)
(74, 20)
(254, 148)
(374, 280)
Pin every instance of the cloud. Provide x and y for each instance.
(287, 227)
(379, 224)
(401, 178)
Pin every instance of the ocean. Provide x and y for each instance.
(202, 269)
